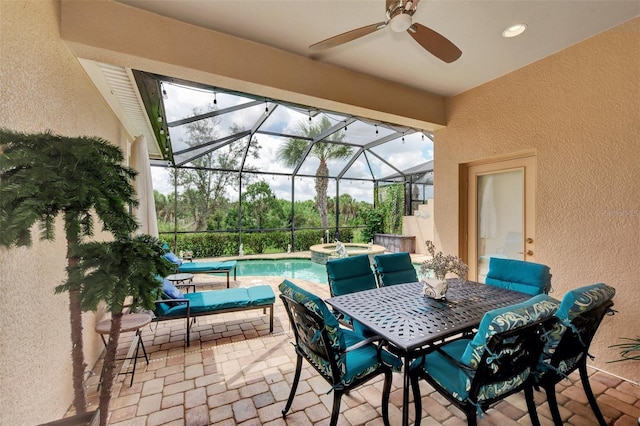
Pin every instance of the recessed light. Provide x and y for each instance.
(514, 30)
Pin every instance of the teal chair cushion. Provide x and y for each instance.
(507, 318)
(445, 372)
(317, 305)
(196, 267)
(215, 300)
(260, 295)
(456, 380)
(354, 364)
(395, 268)
(362, 361)
(350, 274)
(584, 299)
(574, 303)
(526, 277)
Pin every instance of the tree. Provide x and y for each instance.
(44, 175)
(258, 201)
(211, 174)
(292, 151)
(111, 272)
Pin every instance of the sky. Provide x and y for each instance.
(181, 102)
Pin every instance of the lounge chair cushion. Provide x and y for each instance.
(215, 300)
(195, 267)
(171, 257)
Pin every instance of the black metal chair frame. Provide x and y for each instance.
(520, 348)
(570, 346)
(300, 316)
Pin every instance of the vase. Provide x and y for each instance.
(435, 288)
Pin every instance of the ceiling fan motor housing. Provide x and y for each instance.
(399, 14)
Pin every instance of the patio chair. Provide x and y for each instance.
(345, 359)
(526, 277)
(567, 346)
(475, 373)
(394, 268)
(191, 267)
(348, 275)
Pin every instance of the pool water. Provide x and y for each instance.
(289, 268)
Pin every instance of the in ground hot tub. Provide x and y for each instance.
(321, 252)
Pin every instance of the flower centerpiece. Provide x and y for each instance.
(434, 271)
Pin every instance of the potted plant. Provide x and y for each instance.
(123, 270)
(45, 175)
(434, 271)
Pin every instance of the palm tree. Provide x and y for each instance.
(44, 175)
(292, 151)
(111, 272)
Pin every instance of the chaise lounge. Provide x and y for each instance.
(175, 305)
(224, 267)
(190, 267)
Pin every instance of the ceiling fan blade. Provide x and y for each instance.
(346, 37)
(438, 45)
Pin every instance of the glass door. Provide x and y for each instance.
(501, 212)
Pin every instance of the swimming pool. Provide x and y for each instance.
(290, 268)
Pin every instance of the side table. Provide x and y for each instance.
(130, 322)
(183, 280)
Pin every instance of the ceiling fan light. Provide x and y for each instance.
(514, 30)
(400, 23)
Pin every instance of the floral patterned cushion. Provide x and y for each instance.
(352, 365)
(503, 319)
(574, 303)
(584, 299)
(469, 352)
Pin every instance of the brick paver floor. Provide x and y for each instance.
(236, 373)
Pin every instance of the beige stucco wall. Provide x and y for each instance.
(42, 86)
(580, 111)
(421, 225)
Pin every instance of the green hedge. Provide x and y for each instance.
(208, 244)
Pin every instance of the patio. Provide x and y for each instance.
(235, 372)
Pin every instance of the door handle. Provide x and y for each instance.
(529, 240)
(528, 252)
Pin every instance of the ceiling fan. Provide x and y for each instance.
(399, 13)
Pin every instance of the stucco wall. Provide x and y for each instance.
(580, 111)
(42, 86)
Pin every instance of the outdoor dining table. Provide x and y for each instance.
(411, 322)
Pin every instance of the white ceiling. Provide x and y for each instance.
(475, 26)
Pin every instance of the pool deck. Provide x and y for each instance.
(236, 373)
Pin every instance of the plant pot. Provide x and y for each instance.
(435, 288)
